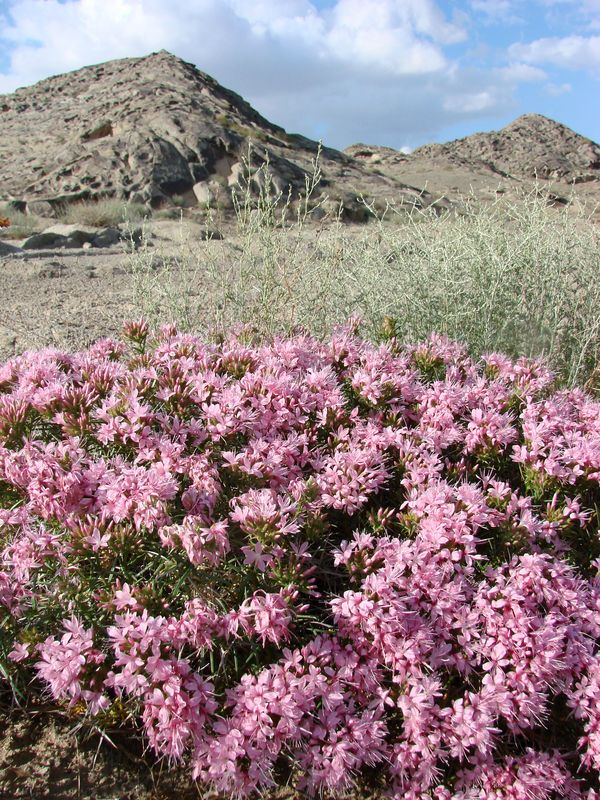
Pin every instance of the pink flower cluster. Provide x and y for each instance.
(310, 562)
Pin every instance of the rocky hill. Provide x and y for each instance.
(531, 153)
(531, 146)
(156, 130)
(152, 129)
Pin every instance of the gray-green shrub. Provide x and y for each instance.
(515, 276)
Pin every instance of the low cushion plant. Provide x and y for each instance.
(309, 563)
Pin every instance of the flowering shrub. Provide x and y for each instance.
(309, 563)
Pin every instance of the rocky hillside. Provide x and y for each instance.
(152, 129)
(156, 130)
(533, 153)
(531, 146)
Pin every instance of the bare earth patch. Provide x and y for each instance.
(42, 757)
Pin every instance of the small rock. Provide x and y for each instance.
(141, 198)
(133, 238)
(54, 270)
(8, 341)
(210, 235)
(107, 237)
(442, 205)
(318, 213)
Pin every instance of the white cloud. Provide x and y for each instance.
(556, 89)
(399, 37)
(521, 72)
(586, 13)
(469, 102)
(394, 36)
(496, 10)
(572, 52)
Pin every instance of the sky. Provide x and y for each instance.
(389, 72)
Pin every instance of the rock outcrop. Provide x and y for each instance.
(58, 237)
(147, 130)
(158, 131)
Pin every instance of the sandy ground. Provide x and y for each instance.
(68, 298)
(44, 757)
(63, 298)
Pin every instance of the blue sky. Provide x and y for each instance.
(394, 72)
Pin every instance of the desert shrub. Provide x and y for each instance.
(22, 225)
(102, 213)
(516, 275)
(178, 200)
(309, 562)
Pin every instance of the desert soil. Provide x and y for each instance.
(68, 298)
(61, 299)
(42, 756)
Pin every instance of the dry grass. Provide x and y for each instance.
(102, 213)
(518, 277)
(22, 225)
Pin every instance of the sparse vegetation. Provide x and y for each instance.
(242, 130)
(167, 213)
(519, 277)
(178, 200)
(102, 213)
(22, 225)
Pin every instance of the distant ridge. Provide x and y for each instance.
(156, 130)
(532, 146)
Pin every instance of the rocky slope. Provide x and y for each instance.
(531, 146)
(532, 152)
(151, 129)
(156, 130)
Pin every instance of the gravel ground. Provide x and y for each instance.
(62, 298)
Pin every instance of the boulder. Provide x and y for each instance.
(204, 194)
(76, 235)
(8, 249)
(44, 241)
(19, 206)
(41, 208)
(64, 236)
(107, 237)
(133, 238)
(235, 178)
